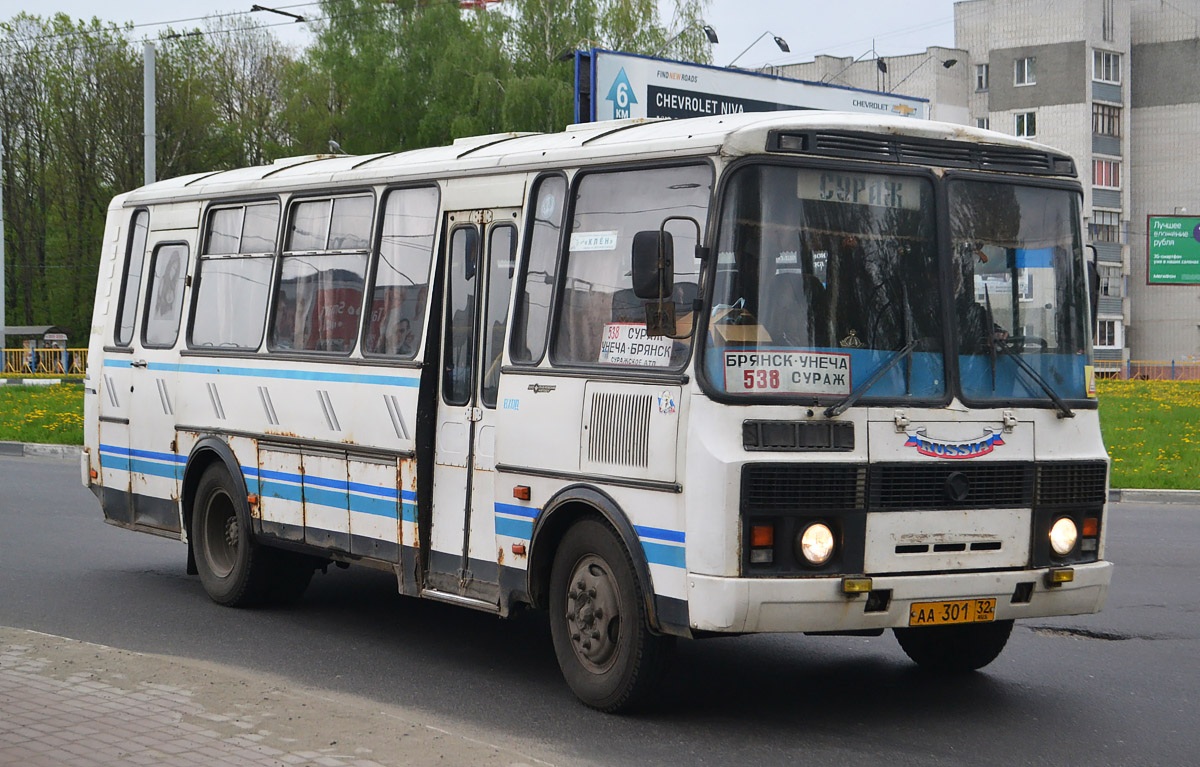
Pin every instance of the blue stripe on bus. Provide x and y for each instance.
(659, 533)
(118, 450)
(518, 511)
(514, 528)
(294, 375)
(662, 554)
(334, 500)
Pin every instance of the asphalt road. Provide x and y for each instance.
(1116, 688)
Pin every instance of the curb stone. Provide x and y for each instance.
(1133, 495)
(36, 450)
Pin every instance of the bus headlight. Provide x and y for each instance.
(815, 544)
(1063, 536)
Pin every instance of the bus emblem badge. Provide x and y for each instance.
(940, 448)
(666, 403)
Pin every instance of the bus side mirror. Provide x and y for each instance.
(1093, 276)
(653, 265)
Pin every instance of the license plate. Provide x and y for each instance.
(960, 611)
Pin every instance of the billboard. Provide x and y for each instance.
(613, 86)
(1173, 250)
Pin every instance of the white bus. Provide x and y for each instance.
(787, 372)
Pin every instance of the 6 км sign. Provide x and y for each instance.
(786, 372)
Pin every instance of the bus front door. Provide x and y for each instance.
(463, 561)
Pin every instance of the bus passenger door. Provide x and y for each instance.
(463, 561)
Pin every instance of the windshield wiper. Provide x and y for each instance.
(1064, 411)
(854, 396)
(998, 345)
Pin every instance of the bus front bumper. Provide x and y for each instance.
(746, 605)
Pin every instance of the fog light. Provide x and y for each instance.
(1059, 576)
(815, 544)
(856, 585)
(1063, 536)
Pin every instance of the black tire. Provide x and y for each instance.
(234, 570)
(955, 649)
(598, 623)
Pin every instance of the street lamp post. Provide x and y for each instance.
(779, 41)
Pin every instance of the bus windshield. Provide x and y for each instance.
(826, 278)
(1020, 304)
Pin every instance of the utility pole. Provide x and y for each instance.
(148, 110)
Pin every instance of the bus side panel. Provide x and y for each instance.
(280, 481)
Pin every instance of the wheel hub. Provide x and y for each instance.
(593, 613)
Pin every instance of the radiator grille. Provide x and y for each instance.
(932, 486)
(782, 487)
(1071, 483)
(619, 429)
(799, 487)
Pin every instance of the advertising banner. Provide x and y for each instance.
(1173, 250)
(613, 86)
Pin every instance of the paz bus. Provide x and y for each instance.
(787, 372)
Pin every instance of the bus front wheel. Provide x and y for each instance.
(601, 635)
(955, 649)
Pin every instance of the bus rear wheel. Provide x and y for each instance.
(232, 567)
(955, 649)
(608, 655)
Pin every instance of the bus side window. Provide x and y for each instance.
(396, 308)
(131, 282)
(502, 252)
(164, 295)
(321, 275)
(233, 277)
(531, 314)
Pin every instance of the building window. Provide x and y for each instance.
(1105, 226)
(981, 77)
(983, 122)
(1106, 67)
(1106, 333)
(1106, 120)
(1106, 173)
(1027, 124)
(1111, 281)
(1025, 71)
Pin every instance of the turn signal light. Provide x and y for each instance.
(93, 473)
(521, 492)
(1091, 527)
(762, 536)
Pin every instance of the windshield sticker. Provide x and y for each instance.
(860, 189)
(939, 448)
(583, 241)
(626, 343)
(998, 285)
(790, 372)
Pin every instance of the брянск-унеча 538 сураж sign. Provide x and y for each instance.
(614, 86)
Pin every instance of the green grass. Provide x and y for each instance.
(1151, 428)
(50, 414)
(1152, 431)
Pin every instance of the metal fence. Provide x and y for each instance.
(1155, 370)
(44, 363)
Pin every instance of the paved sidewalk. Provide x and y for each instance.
(64, 702)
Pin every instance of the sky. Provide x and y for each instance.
(845, 28)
